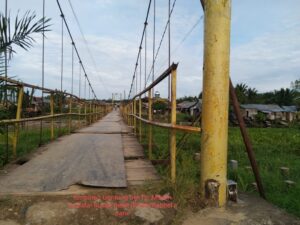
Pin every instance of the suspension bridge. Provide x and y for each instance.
(82, 140)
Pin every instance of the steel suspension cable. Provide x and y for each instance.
(136, 84)
(43, 71)
(140, 72)
(145, 54)
(161, 40)
(76, 50)
(86, 43)
(182, 41)
(5, 59)
(62, 53)
(5, 91)
(84, 87)
(153, 55)
(79, 80)
(72, 83)
(43, 47)
(169, 64)
(139, 52)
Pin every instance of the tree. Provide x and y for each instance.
(160, 105)
(241, 92)
(251, 95)
(296, 85)
(187, 98)
(284, 96)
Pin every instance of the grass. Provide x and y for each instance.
(29, 138)
(274, 148)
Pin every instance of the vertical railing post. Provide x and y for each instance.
(131, 112)
(90, 113)
(85, 117)
(93, 111)
(70, 116)
(140, 115)
(18, 117)
(150, 126)
(134, 119)
(97, 112)
(128, 112)
(52, 114)
(214, 137)
(100, 112)
(173, 122)
(79, 116)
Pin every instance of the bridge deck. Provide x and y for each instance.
(93, 156)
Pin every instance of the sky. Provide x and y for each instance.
(265, 44)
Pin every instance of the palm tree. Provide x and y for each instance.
(252, 95)
(19, 35)
(241, 92)
(284, 96)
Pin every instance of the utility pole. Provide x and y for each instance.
(214, 136)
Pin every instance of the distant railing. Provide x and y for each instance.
(61, 105)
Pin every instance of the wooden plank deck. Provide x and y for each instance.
(138, 169)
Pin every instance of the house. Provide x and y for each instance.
(197, 109)
(289, 113)
(191, 107)
(185, 106)
(272, 111)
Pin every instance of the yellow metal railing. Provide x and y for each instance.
(131, 116)
(90, 110)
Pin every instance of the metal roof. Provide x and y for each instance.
(267, 108)
(291, 108)
(186, 104)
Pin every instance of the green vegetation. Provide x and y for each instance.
(184, 117)
(160, 105)
(274, 148)
(29, 137)
(284, 96)
(20, 31)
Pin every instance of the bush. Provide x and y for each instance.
(260, 117)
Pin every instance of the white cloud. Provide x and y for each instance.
(270, 61)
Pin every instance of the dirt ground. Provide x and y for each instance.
(110, 206)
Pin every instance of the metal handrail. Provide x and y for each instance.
(165, 74)
(12, 121)
(19, 83)
(169, 126)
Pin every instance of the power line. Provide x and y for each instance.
(86, 44)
